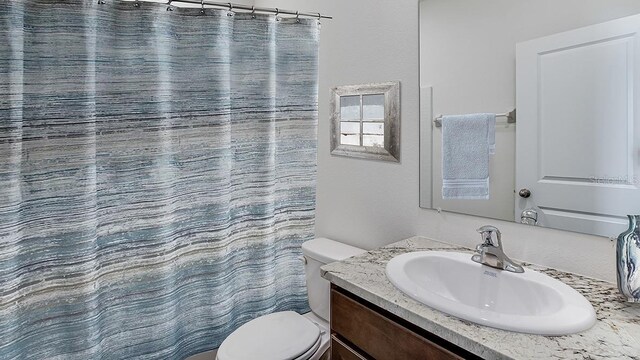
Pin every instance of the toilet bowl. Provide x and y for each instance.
(287, 335)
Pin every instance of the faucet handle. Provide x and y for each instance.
(488, 228)
(487, 237)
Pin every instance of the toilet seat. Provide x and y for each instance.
(312, 350)
(284, 335)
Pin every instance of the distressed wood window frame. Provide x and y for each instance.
(391, 149)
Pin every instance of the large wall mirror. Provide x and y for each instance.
(568, 157)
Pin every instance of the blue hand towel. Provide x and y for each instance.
(467, 142)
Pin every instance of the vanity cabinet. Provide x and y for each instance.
(361, 330)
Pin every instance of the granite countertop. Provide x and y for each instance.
(616, 333)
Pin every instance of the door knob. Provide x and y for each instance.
(524, 193)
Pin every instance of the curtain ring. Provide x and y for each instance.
(297, 17)
(319, 19)
(137, 4)
(253, 12)
(277, 13)
(202, 7)
(230, 13)
(169, 8)
(101, 2)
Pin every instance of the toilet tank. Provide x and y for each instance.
(318, 252)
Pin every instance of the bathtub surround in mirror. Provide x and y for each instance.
(365, 121)
(578, 113)
(157, 176)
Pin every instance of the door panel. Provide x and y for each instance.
(578, 133)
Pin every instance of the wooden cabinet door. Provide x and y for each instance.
(378, 336)
(342, 351)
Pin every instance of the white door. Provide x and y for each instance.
(578, 131)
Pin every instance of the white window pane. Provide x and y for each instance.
(350, 107)
(373, 107)
(350, 139)
(376, 128)
(350, 128)
(373, 140)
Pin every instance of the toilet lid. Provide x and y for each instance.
(279, 336)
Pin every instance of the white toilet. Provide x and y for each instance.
(288, 335)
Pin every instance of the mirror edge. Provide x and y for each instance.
(426, 161)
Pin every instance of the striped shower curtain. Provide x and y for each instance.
(157, 175)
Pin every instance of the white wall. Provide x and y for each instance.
(367, 203)
(370, 204)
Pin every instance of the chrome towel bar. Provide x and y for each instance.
(511, 118)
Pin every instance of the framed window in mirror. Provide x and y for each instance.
(365, 121)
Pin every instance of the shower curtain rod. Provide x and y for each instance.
(232, 6)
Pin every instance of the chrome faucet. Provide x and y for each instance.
(490, 253)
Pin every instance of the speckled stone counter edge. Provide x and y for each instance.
(616, 334)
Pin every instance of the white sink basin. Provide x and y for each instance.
(530, 302)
